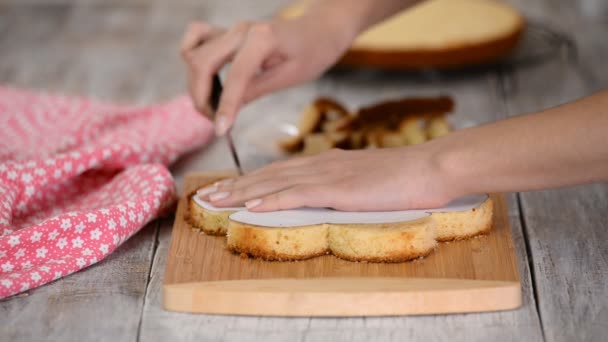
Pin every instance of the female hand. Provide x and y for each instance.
(366, 180)
(265, 56)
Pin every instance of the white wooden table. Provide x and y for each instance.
(127, 51)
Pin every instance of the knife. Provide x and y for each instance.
(216, 93)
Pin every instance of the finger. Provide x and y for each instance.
(295, 167)
(238, 196)
(274, 172)
(297, 162)
(273, 61)
(246, 64)
(208, 59)
(196, 34)
(238, 184)
(295, 197)
(318, 162)
(204, 192)
(278, 77)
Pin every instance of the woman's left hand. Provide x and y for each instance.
(365, 180)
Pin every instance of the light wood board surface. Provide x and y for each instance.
(472, 275)
(126, 51)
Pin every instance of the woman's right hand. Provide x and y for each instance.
(266, 56)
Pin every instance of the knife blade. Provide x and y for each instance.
(214, 101)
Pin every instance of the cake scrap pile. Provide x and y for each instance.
(327, 124)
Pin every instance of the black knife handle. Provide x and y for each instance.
(216, 93)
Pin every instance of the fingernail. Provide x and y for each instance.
(219, 196)
(253, 203)
(221, 125)
(206, 191)
(224, 182)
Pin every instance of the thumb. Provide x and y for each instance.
(294, 197)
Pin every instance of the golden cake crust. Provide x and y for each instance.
(383, 242)
(464, 224)
(210, 222)
(390, 258)
(281, 244)
(389, 242)
(447, 58)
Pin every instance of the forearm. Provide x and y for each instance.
(354, 16)
(561, 146)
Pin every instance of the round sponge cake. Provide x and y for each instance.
(384, 242)
(357, 236)
(435, 34)
(210, 221)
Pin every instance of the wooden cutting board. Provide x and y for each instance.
(474, 275)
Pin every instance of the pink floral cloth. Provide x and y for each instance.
(79, 177)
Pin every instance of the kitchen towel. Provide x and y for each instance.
(78, 177)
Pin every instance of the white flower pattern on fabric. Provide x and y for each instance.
(36, 236)
(80, 262)
(69, 198)
(91, 217)
(53, 235)
(62, 243)
(20, 253)
(35, 276)
(13, 240)
(95, 234)
(79, 228)
(66, 224)
(7, 267)
(77, 242)
(41, 252)
(26, 178)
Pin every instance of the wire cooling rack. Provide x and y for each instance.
(540, 43)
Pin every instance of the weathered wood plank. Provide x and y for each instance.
(585, 22)
(567, 228)
(103, 302)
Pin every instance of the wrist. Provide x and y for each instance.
(338, 20)
(449, 167)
